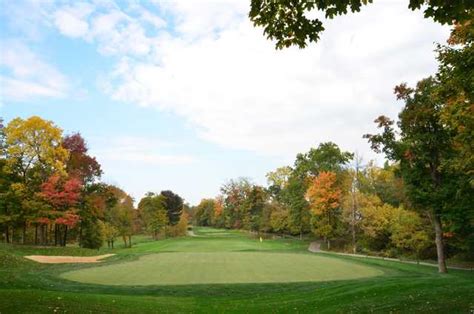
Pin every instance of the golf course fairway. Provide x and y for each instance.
(223, 267)
(224, 271)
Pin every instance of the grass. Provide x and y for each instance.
(222, 267)
(29, 287)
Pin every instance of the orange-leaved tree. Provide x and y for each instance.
(324, 197)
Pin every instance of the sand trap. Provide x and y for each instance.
(67, 259)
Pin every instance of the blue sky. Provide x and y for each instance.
(186, 95)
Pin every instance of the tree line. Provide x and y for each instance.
(51, 193)
(420, 203)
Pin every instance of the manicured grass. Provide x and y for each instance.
(223, 267)
(29, 287)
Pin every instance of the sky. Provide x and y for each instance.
(185, 95)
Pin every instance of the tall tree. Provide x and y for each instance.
(325, 202)
(287, 22)
(33, 152)
(424, 148)
(174, 206)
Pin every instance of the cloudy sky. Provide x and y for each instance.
(186, 95)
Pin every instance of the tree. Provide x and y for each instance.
(279, 220)
(325, 199)
(424, 149)
(204, 212)
(154, 213)
(234, 194)
(80, 164)
(93, 237)
(286, 21)
(408, 232)
(109, 233)
(277, 180)
(375, 220)
(219, 219)
(326, 157)
(293, 198)
(253, 207)
(174, 206)
(62, 195)
(456, 62)
(121, 215)
(34, 144)
(2, 140)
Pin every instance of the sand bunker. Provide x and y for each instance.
(67, 259)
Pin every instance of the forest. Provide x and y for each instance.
(51, 193)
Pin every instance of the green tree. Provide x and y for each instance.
(424, 149)
(408, 232)
(253, 207)
(174, 206)
(286, 21)
(121, 216)
(154, 213)
(93, 237)
(204, 212)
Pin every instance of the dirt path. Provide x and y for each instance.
(192, 234)
(44, 259)
(314, 247)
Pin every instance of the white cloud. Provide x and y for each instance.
(27, 76)
(72, 20)
(225, 78)
(138, 150)
(212, 67)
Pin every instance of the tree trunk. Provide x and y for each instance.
(80, 234)
(124, 240)
(65, 236)
(51, 232)
(353, 221)
(329, 244)
(46, 234)
(7, 234)
(112, 244)
(12, 239)
(55, 234)
(23, 234)
(439, 244)
(41, 240)
(36, 234)
(129, 241)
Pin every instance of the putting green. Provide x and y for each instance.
(185, 268)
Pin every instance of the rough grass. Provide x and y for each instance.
(29, 287)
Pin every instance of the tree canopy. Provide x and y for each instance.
(286, 21)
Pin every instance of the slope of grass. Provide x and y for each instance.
(29, 287)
